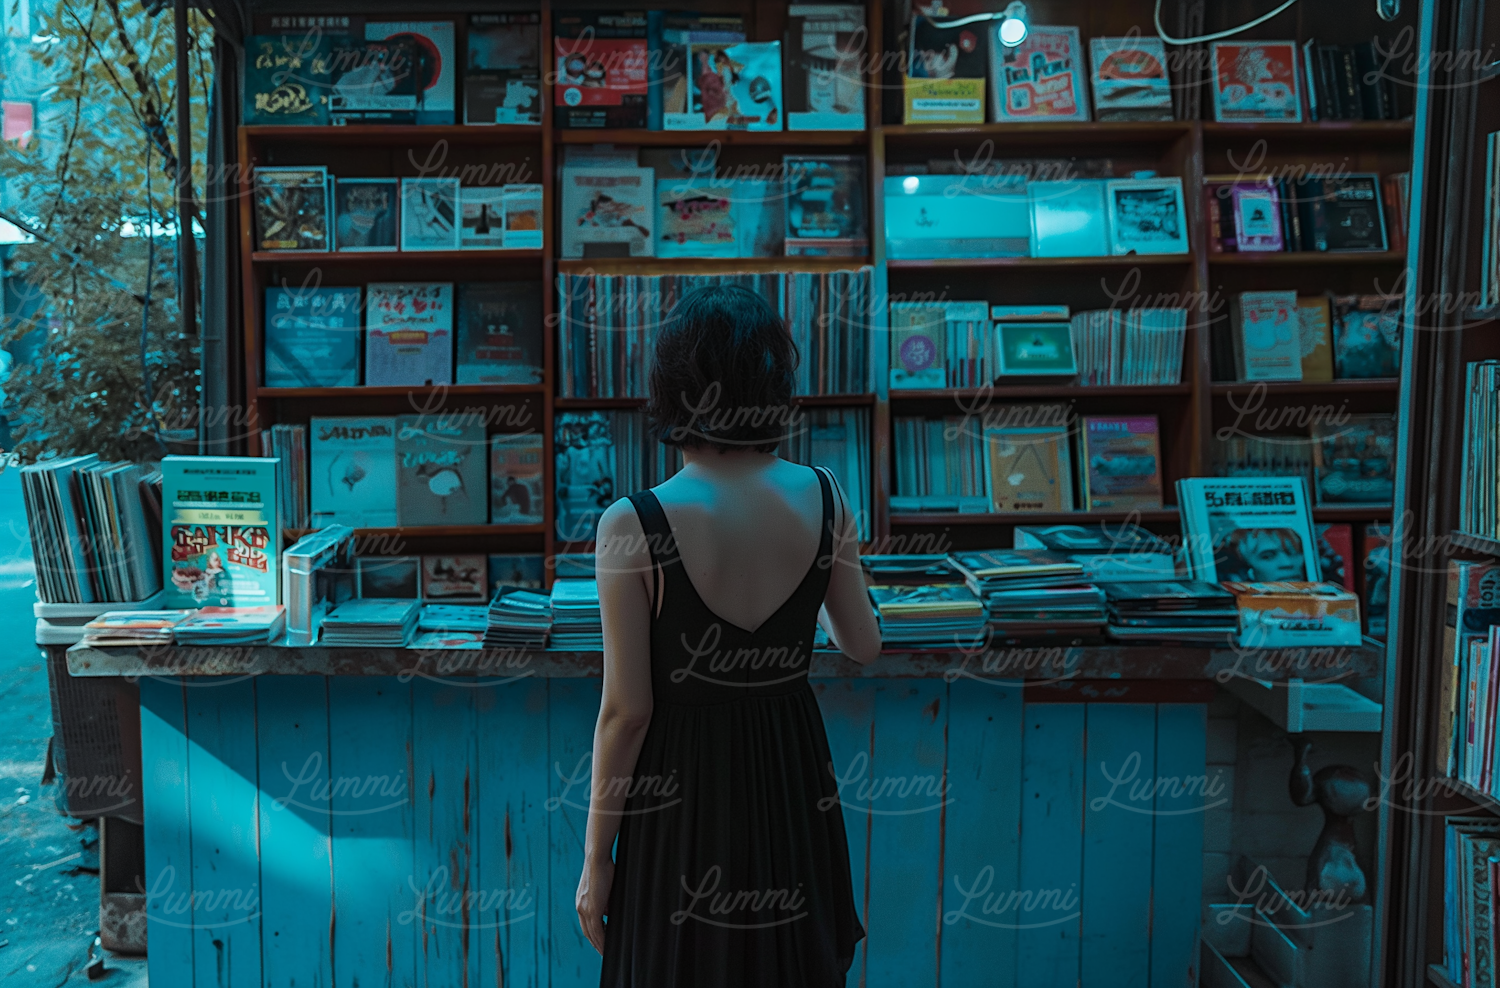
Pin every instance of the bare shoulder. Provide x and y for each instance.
(620, 530)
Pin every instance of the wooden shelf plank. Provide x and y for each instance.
(1109, 133)
(705, 265)
(1334, 131)
(363, 391)
(1482, 800)
(434, 531)
(978, 263)
(1033, 517)
(386, 256)
(693, 138)
(1067, 391)
(1300, 257)
(838, 401)
(1476, 543)
(1353, 385)
(1356, 512)
(388, 134)
(1438, 976)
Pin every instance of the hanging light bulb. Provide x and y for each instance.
(1012, 23)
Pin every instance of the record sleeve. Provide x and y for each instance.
(291, 208)
(366, 214)
(1255, 81)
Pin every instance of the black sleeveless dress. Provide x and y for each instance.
(732, 867)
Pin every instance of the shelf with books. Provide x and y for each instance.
(1462, 790)
(376, 257)
(1341, 132)
(1064, 391)
(809, 401)
(1101, 261)
(695, 138)
(1342, 385)
(1476, 543)
(361, 391)
(1107, 135)
(435, 531)
(1161, 515)
(1301, 257)
(704, 265)
(395, 134)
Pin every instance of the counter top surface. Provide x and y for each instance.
(1039, 663)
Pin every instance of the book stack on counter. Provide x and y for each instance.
(372, 622)
(232, 626)
(1107, 553)
(934, 616)
(909, 571)
(576, 625)
(123, 628)
(1133, 347)
(520, 619)
(837, 439)
(288, 443)
(1472, 873)
(450, 626)
(1033, 593)
(95, 530)
(1171, 611)
(609, 325)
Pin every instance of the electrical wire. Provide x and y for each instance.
(1161, 32)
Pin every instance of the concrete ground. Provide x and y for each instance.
(49, 882)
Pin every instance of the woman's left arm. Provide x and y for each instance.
(623, 568)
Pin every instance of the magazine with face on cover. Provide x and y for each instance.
(1249, 529)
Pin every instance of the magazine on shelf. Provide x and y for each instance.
(221, 536)
(1315, 322)
(502, 77)
(1130, 79)
(409, 334)
(1146, 216)
(945, 70)
(1041, 79)
(291, 208)
(824, 84)
(1267, 336)
(430, 217)
(481, 217)
(312, 337)
(523, 217)
(1256, 81)
(389, 577)
(516, 479)
(600, 63)
(1031, 468)
(1120, 466)
(366, 214)
(453, 579)
(1354, 460)
(437, 64)
(607, 212)
(499, 333)
(1250, 529)
(441, 471)
(352, 479)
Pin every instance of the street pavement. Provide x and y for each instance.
(49, 883)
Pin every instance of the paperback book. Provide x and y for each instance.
(499, 333)
(455, 579)
(1121, 463)
(481, 217)
(409, 334)
(608, 212)
(523, 217)
(220, 532)
(945, 69)
(1354, 461)
(502, 79)
(825, 206)
(1366, 336)
(1041, 79)
(516, 479)
(291, 208)
(366, 217)
(440, 471)
(1315, 319)
(430, 214)
(1031, 466)
(353, 471)
(1256, 81)
(1267, 336)
(824, 84)
(600, 61)
(312, 338)
(1130, 79)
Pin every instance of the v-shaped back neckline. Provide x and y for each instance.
(675, 554)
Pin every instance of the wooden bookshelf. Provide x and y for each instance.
(1437, 975)
(1345, 385)
(1190, 412)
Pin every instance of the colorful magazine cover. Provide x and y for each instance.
(1130, 79)
(352, 478)
(695, 219)
(221, 536)
(516, 479)
(608, 206)
(1041, 78)
(1255, 81)
(600, 61)
(1122, 463)
(1251, 529)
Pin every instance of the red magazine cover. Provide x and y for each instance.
(1041, 78)
(1256, 81)
(600, 61)
(1336, 554)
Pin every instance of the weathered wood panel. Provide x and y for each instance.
(444, 881)
(572, 712)
(164, 808)
(1182, 796)
(1048, 904)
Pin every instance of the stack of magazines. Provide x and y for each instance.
(909, 571)
(95, 530)
(519, 619)
(133, 627)
(1032, 593)
(232, 626)
(373, 622)
(935, 616)
(1176, 611)
(1107, 553)
(1135, 346)
(450, 626)
(575, 616)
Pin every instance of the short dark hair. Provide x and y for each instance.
(724, 372)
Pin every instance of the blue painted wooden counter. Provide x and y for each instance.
(352, 830)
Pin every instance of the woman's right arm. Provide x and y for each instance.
(846, 613)
(623, 567)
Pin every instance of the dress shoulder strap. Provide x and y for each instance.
(659, 543)
(825, 540)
